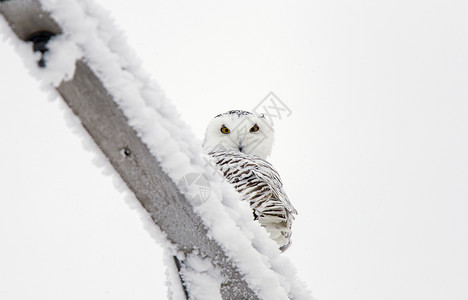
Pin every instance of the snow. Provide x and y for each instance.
(90, 34)
(173, 281)
(202, 279)
(373, 156)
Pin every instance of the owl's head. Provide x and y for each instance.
(238, 130)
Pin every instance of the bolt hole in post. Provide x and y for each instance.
(125, 152)
(40, 40)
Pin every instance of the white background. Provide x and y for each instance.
(374, 155)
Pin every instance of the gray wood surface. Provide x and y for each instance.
(130, 157)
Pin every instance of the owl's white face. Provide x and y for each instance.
(240, 131)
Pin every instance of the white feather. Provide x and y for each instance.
(239, 142)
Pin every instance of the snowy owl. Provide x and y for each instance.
(239, 142)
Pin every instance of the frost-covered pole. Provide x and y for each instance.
(107, 125)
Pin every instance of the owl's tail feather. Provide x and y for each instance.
(279, 230)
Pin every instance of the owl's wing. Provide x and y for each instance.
(266, 172)
(259, 183)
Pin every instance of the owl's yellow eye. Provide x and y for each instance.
(255, 128)
(225, 130)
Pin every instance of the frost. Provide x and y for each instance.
(202, 279)
(174, 291)
(89, 33)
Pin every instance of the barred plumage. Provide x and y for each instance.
(259, 184)
(239, 141)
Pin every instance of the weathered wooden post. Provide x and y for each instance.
(130, 157)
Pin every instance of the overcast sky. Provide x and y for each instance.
(373, 155)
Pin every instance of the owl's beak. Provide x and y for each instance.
(240, 148)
